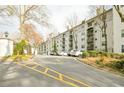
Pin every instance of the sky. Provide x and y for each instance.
(61, 13)
(58, 16)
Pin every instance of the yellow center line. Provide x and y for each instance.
(69, 83)
(46, 70)
(65, 76)
(35, 66)
(60, 78)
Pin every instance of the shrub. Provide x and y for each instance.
(117, 56)
(119, 64)
(101, 59)
(112, 55)
(98, 62)
(85, 54)
(19, 47)
(93, 53)
(121, 56)
(104, 53)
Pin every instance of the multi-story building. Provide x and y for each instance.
(89, 35)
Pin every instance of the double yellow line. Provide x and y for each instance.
(46, 71)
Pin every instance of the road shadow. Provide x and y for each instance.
(5, 65)
(3, 59)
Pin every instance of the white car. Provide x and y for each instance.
(72, 53)
(63, 54)
(78, 53)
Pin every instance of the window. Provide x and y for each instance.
(122, 5)
(95, 31)
(95, 23)
(95, 38)
(122, 48)
(82, 46)
(83, 39)
(90, 23)
(103, 43)
(63, 35)
(76, 47)
(103, 35)
(82, 33)
(122, 33)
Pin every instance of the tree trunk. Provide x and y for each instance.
(75, 40)
(117, 8)
(105, 26)
(106, 48)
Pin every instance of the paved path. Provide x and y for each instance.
(85, 73)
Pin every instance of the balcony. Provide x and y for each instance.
(63, 39)
(70, 39)
(70, 45)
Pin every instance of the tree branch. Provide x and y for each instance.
(117, 8)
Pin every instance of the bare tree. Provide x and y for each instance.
(92, 11)
(71, 22)
(27, 13)
(102, 24)
(119, 11)
(32, 35)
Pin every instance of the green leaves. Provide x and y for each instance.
(19, 47)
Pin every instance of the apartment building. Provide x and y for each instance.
(89, 35)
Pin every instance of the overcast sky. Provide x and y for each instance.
(61, 13)
(58, 16)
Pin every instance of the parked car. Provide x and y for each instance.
(69, 53)
(54, 53)
(72, 53)
(51, 53)
(75, 53)
(78, 53)
(63, 54)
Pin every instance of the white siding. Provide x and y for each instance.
(6, 47)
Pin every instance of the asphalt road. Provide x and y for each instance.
(85, 73)
(13, 75)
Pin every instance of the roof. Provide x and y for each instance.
(6, 39)
(99, 15)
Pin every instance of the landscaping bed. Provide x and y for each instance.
(105, 61)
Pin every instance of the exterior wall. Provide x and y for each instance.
(122, 38)
(114, 39)
(6, 47)
(67, 47)
(59, 43)
(109, 30)
(79, 36)
(99, 38)
(117, 27)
